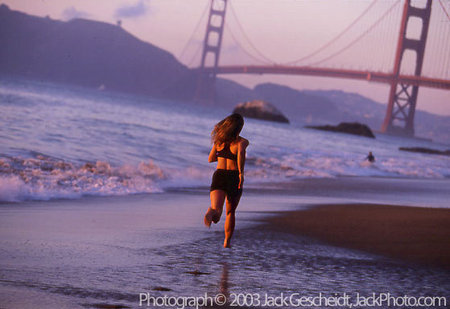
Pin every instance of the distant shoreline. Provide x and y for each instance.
(413, 234)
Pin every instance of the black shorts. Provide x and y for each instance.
(228, 181)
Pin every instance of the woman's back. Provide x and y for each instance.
(227, 155)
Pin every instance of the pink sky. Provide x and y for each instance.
(281, 30)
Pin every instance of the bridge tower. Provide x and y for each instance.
(399, 117)
(211, 51)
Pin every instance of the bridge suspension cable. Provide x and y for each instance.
(443, 8)
(266, 61)
(246, 37)
(196, 28)
(387, 35)
(315, 52)
(194, 55)
(437, 57)
(330, 42)
(378, 30)
(446, 35)
(353, 42)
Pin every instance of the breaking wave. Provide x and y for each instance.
(316, 165)
(45, 178)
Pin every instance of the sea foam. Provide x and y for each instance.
(43, 178)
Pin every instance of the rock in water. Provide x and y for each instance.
(260, 110)
(347, 127)
(426, 150)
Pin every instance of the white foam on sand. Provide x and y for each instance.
(45, 178)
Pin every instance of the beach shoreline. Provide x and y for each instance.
(104, 251)
(412, 234)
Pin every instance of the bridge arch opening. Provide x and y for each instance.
(408, 63)
(210, 59)
(218, 5)
(216, 20)
(421, 4)
(414, 28)
(213, 39)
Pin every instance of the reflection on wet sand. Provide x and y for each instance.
(224, 280)
(222, 298)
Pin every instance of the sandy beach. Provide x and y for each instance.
(102, 252)
(410, 233)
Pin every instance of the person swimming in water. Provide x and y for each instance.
(229, 151)
(370, 157)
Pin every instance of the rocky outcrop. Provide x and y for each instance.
(260, 110)
(347, 127)
(425, 150)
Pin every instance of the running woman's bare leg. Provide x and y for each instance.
(230, 221)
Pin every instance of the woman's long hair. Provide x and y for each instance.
(227, 130)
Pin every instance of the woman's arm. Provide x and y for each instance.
(212, 154)
(241, 160)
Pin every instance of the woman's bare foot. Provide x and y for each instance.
(210, 213)
(226, 244)
(216, 216)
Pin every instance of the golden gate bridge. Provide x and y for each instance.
(404, 74)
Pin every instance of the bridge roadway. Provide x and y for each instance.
(328, 72)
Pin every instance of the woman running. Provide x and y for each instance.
(229, 151)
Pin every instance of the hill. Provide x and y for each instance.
(88, 53)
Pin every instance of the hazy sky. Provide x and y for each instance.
(281, 30)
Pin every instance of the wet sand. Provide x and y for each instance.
(101, 252)
(410, 233)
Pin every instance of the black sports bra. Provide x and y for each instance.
(226, 153)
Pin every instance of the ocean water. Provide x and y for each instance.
(66, 142)
(103, 243)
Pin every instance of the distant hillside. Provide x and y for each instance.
(300, 105)
(334, 106)
(355, 107)
(88, 53)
